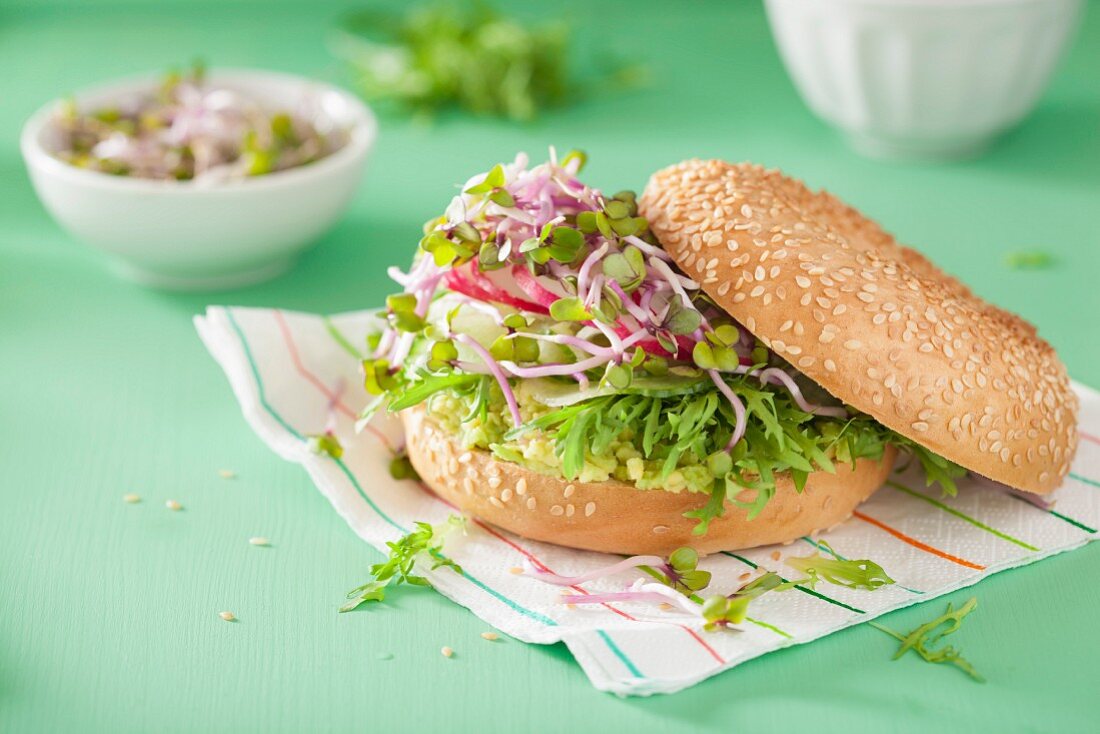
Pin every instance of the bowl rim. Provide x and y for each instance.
(361, 137)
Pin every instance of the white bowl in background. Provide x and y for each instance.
(183, 235)
(921, 78)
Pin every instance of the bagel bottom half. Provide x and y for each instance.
(615, 517)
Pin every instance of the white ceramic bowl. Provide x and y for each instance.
(921, 78)
(183, 235)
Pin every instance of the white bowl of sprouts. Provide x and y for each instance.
(200, 181)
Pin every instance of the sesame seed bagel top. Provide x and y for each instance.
(874, 323)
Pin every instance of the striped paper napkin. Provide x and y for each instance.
(292, 372)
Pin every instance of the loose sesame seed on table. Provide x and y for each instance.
(133, 601)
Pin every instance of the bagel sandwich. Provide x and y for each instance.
(727, 361)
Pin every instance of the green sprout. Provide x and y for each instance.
(325, 444)
(405, 553)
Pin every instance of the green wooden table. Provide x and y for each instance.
(109, 611)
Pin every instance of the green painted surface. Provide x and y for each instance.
(109, 610)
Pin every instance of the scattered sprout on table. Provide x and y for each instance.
(1029, 260)
(922, 639)
(854, 574)
(405, 553)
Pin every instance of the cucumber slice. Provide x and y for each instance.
(557, 393)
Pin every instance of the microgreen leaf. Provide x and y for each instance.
(377, 378)
(682, 572)
(683, 321)
(627, 268)
(442, 354)
(502, 197)
(575, 155)
(703, 356)
(326, 444)
(401, 467)
(629, 226)
(586, 222)
(721, 612)
(569, 309)
(493, 179)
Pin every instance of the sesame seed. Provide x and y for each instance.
(557, 510)
(228, 616)
(659, 529)
(490, 636)
(495, 502)
(261, 541)
(521, 486)
(568, 491)
(131, 498)
(446, 652)
(569, 510)
(589, 509)
(494, 482)
(506, 495)
(531, 503)
(173, 505)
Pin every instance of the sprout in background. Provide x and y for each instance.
(464, 55)
(189, 129)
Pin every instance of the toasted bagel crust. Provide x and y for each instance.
(615, 517)
(874, 323)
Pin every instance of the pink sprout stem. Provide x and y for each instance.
(738, 407)
(776, 376)
(529, 569)
(497, 372)
(639, 591)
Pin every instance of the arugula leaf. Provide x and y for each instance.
(861, 574)
(714, 508)
(921, 639)
(429, 386)
(404, 554)
(937, 469)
